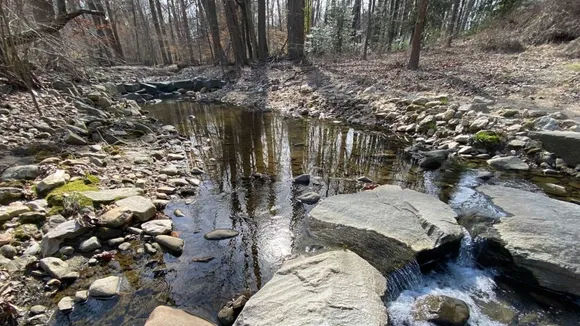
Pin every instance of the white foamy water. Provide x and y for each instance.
(460, 280)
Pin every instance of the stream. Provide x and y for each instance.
(250, 159)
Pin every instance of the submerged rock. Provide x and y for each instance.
(105, 287)
(333, 288)
(221, 234)
(163, 316)
(538, 242)
(441, 310)
(388, 226)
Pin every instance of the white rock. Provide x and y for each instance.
(105, 287)
(157, 227)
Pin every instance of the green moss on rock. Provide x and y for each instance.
(56, 196)
(486, 139)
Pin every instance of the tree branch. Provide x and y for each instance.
(51, 28)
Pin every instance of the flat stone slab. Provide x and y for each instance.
(541, 236)
(111, 195)
(508, 163)
(388, 226)
(142, 208)
(565, 144)
(333, 288)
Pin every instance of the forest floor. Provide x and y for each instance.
(538, 78)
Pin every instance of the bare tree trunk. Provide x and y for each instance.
(163, 31)
(356, 11)
(262, 42)
(187, 31)
(160, 36)
(280, 26)
(452, 23)
(113, 30)
(465, 17)
(235, 32)
(369, 27)
(150, 42)
(246, 6)
(210, 11)
(417, 36)
(392, 25)
(136, 27)
(171, 41)
(98, 22)
(295, 29)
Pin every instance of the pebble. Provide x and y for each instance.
(178, 213)
(66, 304)
(124, 246)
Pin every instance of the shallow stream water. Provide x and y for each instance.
(250, 159)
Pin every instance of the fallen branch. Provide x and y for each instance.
(51, 28)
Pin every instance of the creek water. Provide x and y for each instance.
(250, 159)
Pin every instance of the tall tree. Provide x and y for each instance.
(187, 31)
(163, 31)
(356, 11)
(211, 13)
(369, 27)
(236, 37)
(160, 37)
(262, 42)
(452, 23)
(295, 27)
(418, 35)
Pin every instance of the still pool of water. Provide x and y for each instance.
(250, 159)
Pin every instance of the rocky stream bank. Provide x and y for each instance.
(87, 183)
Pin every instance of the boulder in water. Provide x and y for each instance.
(538, 242)
(163, 316)
(390, 227)
(441, 310)
(333, 288)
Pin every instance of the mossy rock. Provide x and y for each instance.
(489, 140)
(55, 210)
(112, 150)
(56, 196)
(26, 232)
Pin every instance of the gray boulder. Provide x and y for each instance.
(111, 195)
(72, 138)
(173, 244)
(90, 244)
(54, 267)
(547, 123)
(508, 163)
(537, 243)
(67, 230)
(157, 227)
(162, 314)
(309, 198)
(55, 180)
(390, 227)
(302, 179)
(21, 172)
(10, 194)
(565, 144)
(441, 310)
(333, 288)
(105, 287)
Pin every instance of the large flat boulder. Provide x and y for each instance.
(333, 288)
(537, 242)
(164, 315)
(21, 172)
(565, 144)
(111, 195)
(388, 226)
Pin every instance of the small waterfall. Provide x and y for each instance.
(466, 258)
(408, 277)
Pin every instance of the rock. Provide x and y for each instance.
(111, 195)
(364, 180)
(55, 180)
(407, 224)
(39, 205)
(508, 163)
(66, 304)
(466, 150)
(142, 208)
(333, 288)
(478, 124)
(124, 246)
(67, 230)
(554, 189)
(537, 242)
(197, 171)
(32, 217)
(309, 198)
(302, 179)
(547, 123)
(173, 244)
(36, 310)
(227, 316)
(72, 138)
(162, 314)
(67, 251)
(105, 287)
(115, 217)
(166, 190)
(433, 160)
(8, 251)
(8, 212)
(91, 244)
(106, 233)
(484, 175)
(157, 227)
(21, 172)
(10, 194)
(462, 139)
(441, 310)
(5, 238)
(221, 234)
(565, 144)
(170, 170)
(33, 249)
(81, 296)
(54, 267)
(175, 157)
